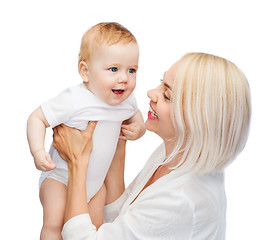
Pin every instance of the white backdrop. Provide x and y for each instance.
(39, 45)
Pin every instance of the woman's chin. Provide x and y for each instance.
(149, 125)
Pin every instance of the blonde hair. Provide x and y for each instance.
(108, 33)
(211, 111)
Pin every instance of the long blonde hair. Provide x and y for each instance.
(211, 111)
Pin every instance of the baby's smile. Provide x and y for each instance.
(118, 92)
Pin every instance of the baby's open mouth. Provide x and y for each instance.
(117, 91)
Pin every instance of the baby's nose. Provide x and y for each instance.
(123, 77)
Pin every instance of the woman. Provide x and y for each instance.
(202, 112)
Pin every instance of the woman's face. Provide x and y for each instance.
(159, 118)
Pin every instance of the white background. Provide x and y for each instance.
(39, 46)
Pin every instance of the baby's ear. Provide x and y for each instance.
(83, 71)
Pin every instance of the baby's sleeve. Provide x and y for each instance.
(58, 109)
(133, 102)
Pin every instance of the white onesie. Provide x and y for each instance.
(74, 107)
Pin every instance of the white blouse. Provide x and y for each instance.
(176, 206)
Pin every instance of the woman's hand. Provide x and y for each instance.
(73, 145)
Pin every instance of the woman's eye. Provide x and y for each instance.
(132, 70)
(113, 69)
(166, 96)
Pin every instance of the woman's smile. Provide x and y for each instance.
(152, 114)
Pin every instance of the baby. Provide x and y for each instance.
(108, 62)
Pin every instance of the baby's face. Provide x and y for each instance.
(112, 72)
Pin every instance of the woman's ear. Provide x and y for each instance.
(83, 71)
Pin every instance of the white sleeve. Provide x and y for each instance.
(58, 109)
(112, 210)
(134, 102)
(163, 217)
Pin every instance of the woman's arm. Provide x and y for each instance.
(114, 181)
(75, 146)
(157, 214)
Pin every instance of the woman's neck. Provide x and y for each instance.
(169, 147)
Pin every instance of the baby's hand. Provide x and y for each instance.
(132, 131)
(43, 161)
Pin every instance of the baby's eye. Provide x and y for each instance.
(113, 69)
(132, 70)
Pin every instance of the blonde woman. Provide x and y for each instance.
(201, 110)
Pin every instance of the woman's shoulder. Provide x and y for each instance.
(206, 195)
(202, 197)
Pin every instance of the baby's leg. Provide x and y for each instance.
(53, 198)
(96, 207)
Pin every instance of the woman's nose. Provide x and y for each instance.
(152, 95)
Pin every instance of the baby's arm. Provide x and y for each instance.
(36, 130)
(134, 128)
